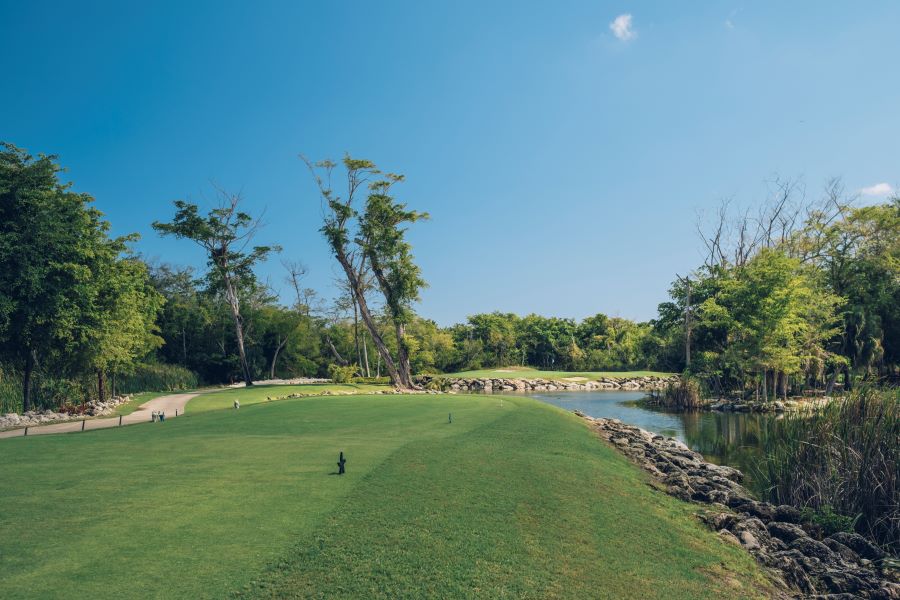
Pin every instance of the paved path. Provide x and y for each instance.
(168, 404)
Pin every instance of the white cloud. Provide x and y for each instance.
(879, 189)
(729, 22)
(621, 28)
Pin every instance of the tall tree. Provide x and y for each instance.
(121, 325)
(377, 237)
(383, 239)
(225, 233)
(47, 233)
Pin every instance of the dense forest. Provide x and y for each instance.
(793, 296)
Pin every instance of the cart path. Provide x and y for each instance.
(167, 404)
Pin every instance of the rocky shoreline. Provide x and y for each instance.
(803, 561)
(745, 406)
(44, 417)
(389, 392)
(460, 384)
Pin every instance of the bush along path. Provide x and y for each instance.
(171, 406)
(801, 560)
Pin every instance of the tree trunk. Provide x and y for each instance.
(26, 381)
(829, 387)
(765, 385)
(101, 385)
(687, 328)
(275, 357)
(403, 357)
(757, 389)
(359, 361)
(337, 355)
(356, 289)
(404, 376)
(232, 298)
(366, 357)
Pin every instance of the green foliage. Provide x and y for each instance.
(122, 327)
(224, 234)
(382, 240)
(826, 518)
(598, 343)
(72, 301)
(431, 348)
(795, 311)
(341, 374)
(766, 315)
(859, 258)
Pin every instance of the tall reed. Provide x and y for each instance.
(841, 459)
(156, 377)
(684, 393)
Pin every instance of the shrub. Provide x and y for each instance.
(372, 380)
(339, 374)
(830, 521)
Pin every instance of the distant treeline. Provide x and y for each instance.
(791, 297)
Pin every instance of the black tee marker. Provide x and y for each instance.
(340, 464)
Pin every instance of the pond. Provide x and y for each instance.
(733, 439)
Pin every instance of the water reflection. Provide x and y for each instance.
(733, 439)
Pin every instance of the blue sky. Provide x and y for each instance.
(563, 149)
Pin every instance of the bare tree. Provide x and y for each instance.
(734, 239)
(306, 299)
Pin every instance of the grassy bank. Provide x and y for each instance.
(261, 393)
(514, 501)
(529, 373)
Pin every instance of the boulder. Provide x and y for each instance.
(787, 532)
(859, 544)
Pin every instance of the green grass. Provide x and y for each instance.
(519, 500)
(529, 373)
(261, 393)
